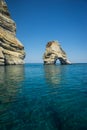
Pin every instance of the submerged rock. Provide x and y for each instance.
(11, 49)
(53, 53)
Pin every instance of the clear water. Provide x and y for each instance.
(38, 97)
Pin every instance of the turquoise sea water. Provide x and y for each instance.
(38, 97)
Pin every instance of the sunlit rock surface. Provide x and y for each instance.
(11, 49)
(54, 52)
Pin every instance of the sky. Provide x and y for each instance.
(41, 21)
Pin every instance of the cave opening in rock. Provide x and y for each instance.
(57, 61)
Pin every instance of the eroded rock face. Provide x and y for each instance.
(53, 53)
(11, 49)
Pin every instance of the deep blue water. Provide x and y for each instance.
(38, 97)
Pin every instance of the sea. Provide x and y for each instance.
(43, 97)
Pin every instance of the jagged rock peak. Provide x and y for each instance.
(53, 53)
(11, 49)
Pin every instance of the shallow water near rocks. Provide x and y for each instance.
(43, 97)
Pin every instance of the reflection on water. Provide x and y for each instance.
(10, 77)
(53, 74)
(43, 97)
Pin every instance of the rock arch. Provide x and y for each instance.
(53, 53)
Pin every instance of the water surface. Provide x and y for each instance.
(38, 97)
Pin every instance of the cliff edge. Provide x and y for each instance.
(11, 49)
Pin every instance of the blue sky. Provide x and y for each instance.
(40, 21)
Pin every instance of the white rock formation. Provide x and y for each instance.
(11, 49)
(53, 53)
